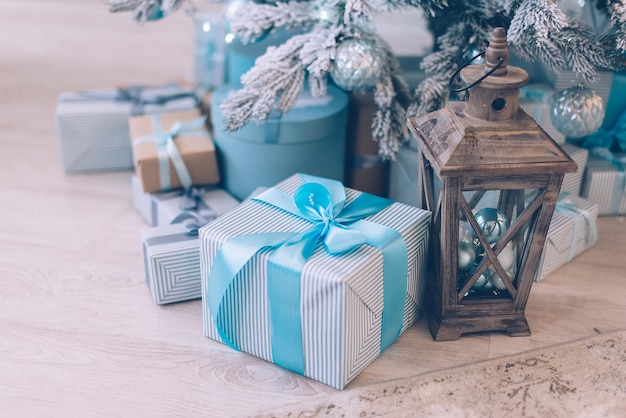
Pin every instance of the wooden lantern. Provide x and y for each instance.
(491, 176)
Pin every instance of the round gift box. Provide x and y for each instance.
(309, 138)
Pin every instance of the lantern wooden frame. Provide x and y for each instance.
(479, 145)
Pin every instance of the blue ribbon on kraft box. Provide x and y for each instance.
(315, 277)
(93, 128)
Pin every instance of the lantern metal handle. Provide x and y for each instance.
(468, 62)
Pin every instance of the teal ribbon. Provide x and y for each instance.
(168, 151)
(340, 228)
(565, 206)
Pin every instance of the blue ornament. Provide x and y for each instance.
(493, 223)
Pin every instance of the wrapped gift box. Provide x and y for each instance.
(572, 182)
(161, 208)
(604, 184)
(572, 231)
(365, 171)
(93, 126)
(171, 256)
(155, 158)
(335, 314)
(537, 101)
(310, 137)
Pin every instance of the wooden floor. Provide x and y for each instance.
(79, 333)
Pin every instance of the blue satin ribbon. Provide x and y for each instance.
(271, 127)
(340, 228)
(133, 95)
(565, 206)
(168, 151)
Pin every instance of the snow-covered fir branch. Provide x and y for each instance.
(536, 30)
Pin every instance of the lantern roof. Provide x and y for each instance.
(456, 143)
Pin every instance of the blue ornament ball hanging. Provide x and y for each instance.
(357, 66)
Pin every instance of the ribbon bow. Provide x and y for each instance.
(607, 139)
(340, 227)
(194, 222)
(168, 151)
(565, 206)
(138, 96)
(192, 201)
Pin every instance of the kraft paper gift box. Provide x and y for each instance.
(161, 208)
(310, 138)
(573, 181)
(604, 184)
(173, 150)
(171, 256)
(93, 129)
(328, 316)
(572, 230)
(365, 170)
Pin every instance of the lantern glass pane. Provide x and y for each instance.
(492, 240)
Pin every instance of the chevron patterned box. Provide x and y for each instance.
(93, 128)
(323, 311)
(572, 231)
(171, 256)
(161, 208)
(604, 184)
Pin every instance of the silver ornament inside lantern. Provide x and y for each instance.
(577, 111)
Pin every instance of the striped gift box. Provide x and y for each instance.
(604, 184)
(341, 297)
(171, 259)
(572, 231)
(572, 182)
(537, 101)
(93, 128)
(161, 208)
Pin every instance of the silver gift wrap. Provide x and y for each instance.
(92, 126)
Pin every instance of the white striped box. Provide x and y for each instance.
(171, 259)
(161, 208)
(571, 232)
(572, 182)
(93, 131)
(603, 183)
(537, 101)
(340, 295)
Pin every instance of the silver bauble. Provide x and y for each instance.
(467, 255)
(577, 112)
(492, 222)
(357, 65)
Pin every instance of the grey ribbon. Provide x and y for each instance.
(192, 201)
(137, 96)
(194, 222)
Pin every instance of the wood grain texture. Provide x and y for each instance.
(79, 333)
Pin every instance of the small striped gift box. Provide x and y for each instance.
(572, 231)
(537, 101)
(161, 208)
(92, 125)
(604, 184)
(171, 259)
(572, 182)
(336, 314)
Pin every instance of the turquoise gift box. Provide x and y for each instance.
(93, 129)
(572, 230)
(310, 137)
(161, 208)
(314, 277)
